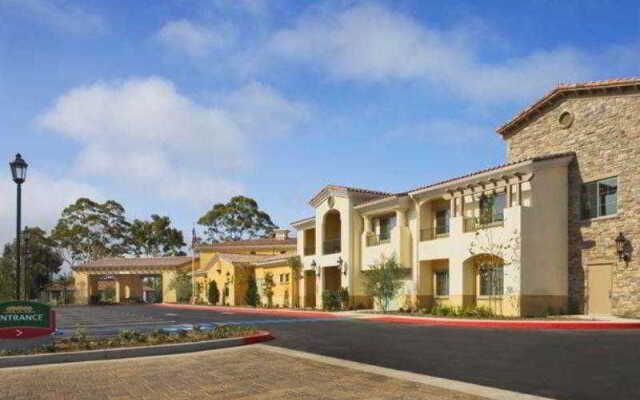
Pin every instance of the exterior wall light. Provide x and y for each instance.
(314, 265)
(340, 262)
(623, 248)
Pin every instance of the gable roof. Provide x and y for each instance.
(562, 91)
(365, 194)
(251, 243)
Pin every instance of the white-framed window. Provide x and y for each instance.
(442, 221)
(492, 208)
(599, 198)
(386, 225)
(492, 281)
(442, 282)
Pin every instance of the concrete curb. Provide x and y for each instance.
(470, 323)
(251, 310)
(129, 352)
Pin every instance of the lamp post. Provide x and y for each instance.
(19, 172)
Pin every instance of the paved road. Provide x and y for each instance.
(557, 364)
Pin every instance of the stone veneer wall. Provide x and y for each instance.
(605, 135)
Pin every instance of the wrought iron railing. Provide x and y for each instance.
(331, 246)
(435, 232)
(374, 240)
(474, 223)
(310, 251)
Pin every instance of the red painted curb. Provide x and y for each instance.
(510, 324)
(247, 310)
(261, 336)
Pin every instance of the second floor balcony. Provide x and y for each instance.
(331, 246)
(436, 232)
(473, 224)
(375, 240)
(310, 250)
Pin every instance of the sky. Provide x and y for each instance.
(171, 106)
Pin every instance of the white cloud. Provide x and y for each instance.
(259, 108)
(60, 14)
(368, 42)
(158, 142)
(43, 198)
(193, 39)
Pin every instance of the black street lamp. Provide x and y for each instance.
(19, 172)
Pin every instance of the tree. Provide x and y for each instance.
(239, 219)
(66, 280)
(181, 283)
(155, 237)
(493, 253)
(384, 280)
(267, 285)
(296, 267)
(214, 293)
(40, 261)
(252, 296)
(88, 230)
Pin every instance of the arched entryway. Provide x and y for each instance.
(332, 230)
(483, 282)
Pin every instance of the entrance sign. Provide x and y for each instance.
(25, 319)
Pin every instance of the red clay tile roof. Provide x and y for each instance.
(266, 242)
(561, 90)
(133, 262)
(497, 167)
(234, 258)
(279, 257)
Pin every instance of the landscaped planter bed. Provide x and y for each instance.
(81, 341)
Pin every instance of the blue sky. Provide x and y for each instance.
(169, 107)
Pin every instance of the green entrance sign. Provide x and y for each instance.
(21, 319)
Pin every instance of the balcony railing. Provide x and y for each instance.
(474, 223)
(310, 251)
(432, 233)
(331, 246)
(374, 240)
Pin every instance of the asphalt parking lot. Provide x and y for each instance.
(561, 364)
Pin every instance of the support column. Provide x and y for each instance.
(320, 284)
(118, 289)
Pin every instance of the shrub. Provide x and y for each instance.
(214, 293)
(252, 292)
(384, 281)
(331, 300)
(94, 299)
(80, 335)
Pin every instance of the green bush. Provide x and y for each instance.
(252, 297)
(331, 300)
(214, 293)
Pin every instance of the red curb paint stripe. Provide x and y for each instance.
(510, 324)
(306, 314)
(261, 336)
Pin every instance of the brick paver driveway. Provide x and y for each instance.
(250, 372)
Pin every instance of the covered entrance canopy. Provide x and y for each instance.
(128, 274)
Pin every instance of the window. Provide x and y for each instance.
(600, 198)
(442, 221)
(491, 281)
(386, 225)
(442, 283)
(284, 278)
(492, 208)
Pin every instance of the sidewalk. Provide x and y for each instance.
(251, 373)
(589, 322)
